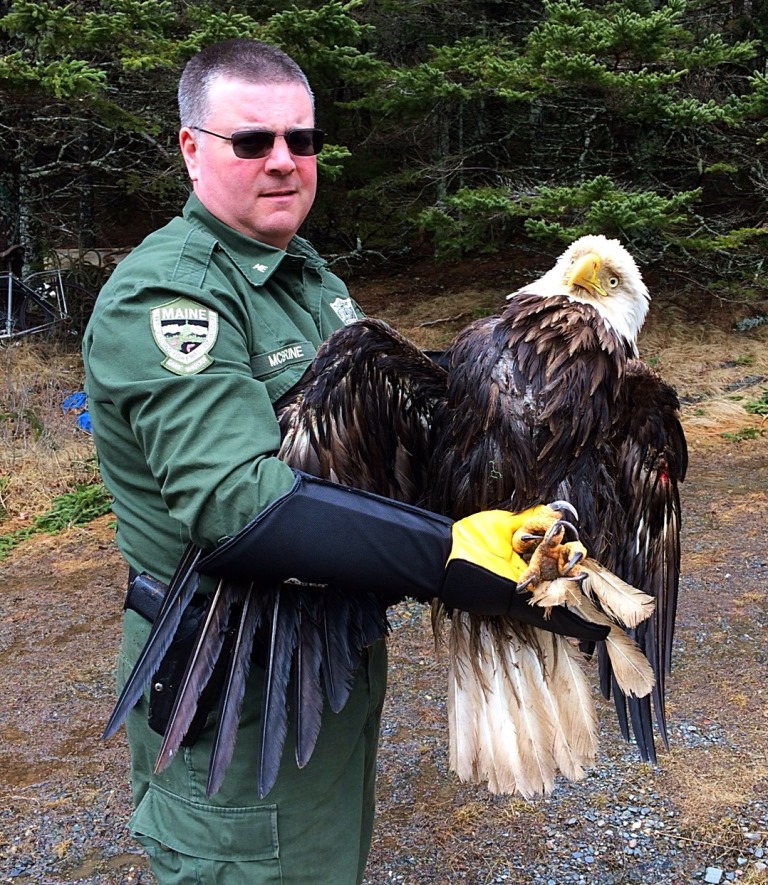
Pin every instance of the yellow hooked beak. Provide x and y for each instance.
(583, 273)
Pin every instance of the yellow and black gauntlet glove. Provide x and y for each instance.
(324, 534)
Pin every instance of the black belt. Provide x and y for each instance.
(145, 594)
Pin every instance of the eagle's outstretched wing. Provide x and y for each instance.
(362, 416)
(653, 459)
(363, 413)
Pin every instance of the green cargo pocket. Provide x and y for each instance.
(207, 831)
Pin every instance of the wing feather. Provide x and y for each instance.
(654, 460)
(274, 721)
(199, 669)
(308, 686)
(233, 692)
(363, 413)
(180, 591)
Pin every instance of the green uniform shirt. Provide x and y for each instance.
(193, 338)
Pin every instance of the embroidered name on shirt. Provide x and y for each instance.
(184, 331)
(282, 356)
(300, 352)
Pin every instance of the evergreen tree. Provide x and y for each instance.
(628, 118)
(477, 123)
(88, 119)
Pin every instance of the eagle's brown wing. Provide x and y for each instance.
(652, 459)
(362, 416)
(363, 413)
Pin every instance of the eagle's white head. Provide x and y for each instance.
(600, 272)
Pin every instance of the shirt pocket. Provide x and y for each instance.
(281, 368)
(208, 832)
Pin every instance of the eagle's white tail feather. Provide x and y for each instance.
(504, 767)
(519, 712)
(524, 757)
(630, 666)
(619, 600)
(576, 738)
(465, 697)
(551, 593)
(487, 716)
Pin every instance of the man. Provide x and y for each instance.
(195, 336)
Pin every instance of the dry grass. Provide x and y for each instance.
(715, 370)
(42, 452)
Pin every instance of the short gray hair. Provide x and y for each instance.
(240, 59)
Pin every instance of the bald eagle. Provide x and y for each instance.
(545, 401)
(549, 400)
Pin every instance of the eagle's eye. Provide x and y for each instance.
(613, 282)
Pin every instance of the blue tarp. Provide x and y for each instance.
(78, 402)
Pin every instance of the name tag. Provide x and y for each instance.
(266, 363)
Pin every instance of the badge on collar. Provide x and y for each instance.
(185, 331)
(345, 310)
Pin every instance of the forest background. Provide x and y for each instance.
(454, 127)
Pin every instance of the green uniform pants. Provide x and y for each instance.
(313, 827)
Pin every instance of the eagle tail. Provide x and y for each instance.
(463, 700)
(576, 739)
(520, 707)
(619, 600)
(631, 669)
(525, 668)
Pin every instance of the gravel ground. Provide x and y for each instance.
(700, 815)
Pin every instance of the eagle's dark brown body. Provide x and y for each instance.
(533, 400)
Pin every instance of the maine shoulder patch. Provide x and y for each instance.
(185, 331)
(345, 310)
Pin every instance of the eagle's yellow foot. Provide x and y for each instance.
(527, 538)
(552, 557)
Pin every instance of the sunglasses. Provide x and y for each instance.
(252, 144)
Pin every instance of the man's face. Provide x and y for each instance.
(268, 198)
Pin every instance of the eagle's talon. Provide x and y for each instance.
(575, 558)
(564, 506)
(527, 582)
(528, 536)
(555, 531)
(570, 530)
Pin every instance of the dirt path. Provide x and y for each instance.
(64, 797)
